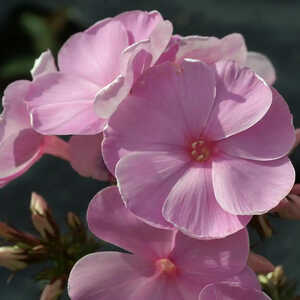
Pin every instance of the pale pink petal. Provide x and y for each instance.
(246, 278)
(86, 157)
(95, 56)
(67, 118)
(170, 88)
(270, 138)
(160, 108)
(213, 260)
(18, 152)
(145, 179)
(231, 291)
(240, 93)
(43, 65)
(139, 24)
(261, 65)
(212, 49)
(96, 27)
(164, 288)
(246, 187)
(63, 104)
(20, 146)
(169, 55)
(135, 60)
(111, 221)
(192, 207)
(109, 276)
(14, 116)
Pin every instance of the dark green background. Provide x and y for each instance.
(271, 27)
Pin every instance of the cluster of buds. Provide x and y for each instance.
(63, 250)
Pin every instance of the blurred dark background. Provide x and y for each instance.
(29, 27)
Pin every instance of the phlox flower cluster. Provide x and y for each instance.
(191, 131)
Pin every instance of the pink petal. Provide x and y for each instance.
(95, 56)
(180, 93)
(19, 151)
(270, 138)
(20, 146)
(86, 157)
(242, 100)
(14, 115)
(135, 60)
(231, 291)
(210, 261)
(145, 179)
(246, 187)
(161, 107)
(165, 288)
(63, 104)
(139, 24)
(261, 65)
(109, 276)
(109, 219)
(246, 278)
(192, 207)
(212, 49)
(44, 64)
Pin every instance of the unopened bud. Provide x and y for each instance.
(259, 264)
(265, 226)
(278, 276)
(11, 234)
(53, 290)
(289, 208)
(12, 258)
(42, 218)
(297, 140)
(73, 221)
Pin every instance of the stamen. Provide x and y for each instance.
(200, 150)
(165, 265)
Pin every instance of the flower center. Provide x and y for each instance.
(200, 151)
(165, 265)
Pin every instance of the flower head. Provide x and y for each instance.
(108, 56)
(199, 146)
(164, 264)
(20, 145)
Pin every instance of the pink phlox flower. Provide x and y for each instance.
(20, 145)
(200, 146)
(104, 60)
(210, 50)
(242, 286)
(164, 264)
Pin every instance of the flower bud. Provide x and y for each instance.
(13, 258)
(11, 234)
(73, 221)
(289, 207)
(262, 226)
(278, 276)
(259, 264)
(53, 290)
(42, 218)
